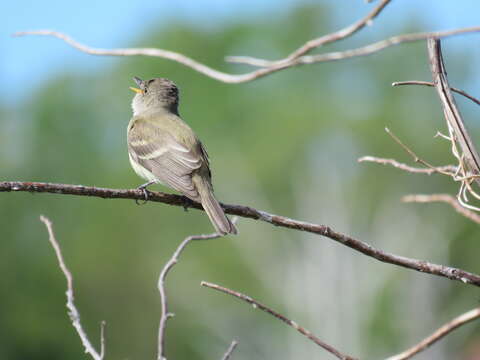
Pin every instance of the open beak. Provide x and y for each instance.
(138, 91)
(140, 84)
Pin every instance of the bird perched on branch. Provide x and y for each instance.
(162, 148)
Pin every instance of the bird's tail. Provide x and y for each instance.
(217, 216)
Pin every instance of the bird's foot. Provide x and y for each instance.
(143, 187)
(187, 203)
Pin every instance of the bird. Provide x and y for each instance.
(162, 148)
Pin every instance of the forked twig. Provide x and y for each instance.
(279, 316)
(72, 310)
(315, 43)
(430, 84)
(418, 159)
(351, 53)
(165, 315)
(438, 334)
(405, 167)
(267, 67)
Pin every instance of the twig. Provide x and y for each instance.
(230, 350)
(446, 198)
(426, 83)
(249, 212)
(438, 334)
(72, 310)
(279, 316)
(161, 288)
(347, 54)
(337, 35)
(415, 157)
(405, 167)
(314, 43)
(256, 74)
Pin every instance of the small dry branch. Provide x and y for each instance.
(438, 334)
(430, 84)
(73, 313)
(165, 315)
(467, 170)
(445, 198)
(293, 324)
(267, 67)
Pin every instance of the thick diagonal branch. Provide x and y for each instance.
(452, 114)
(249, 212)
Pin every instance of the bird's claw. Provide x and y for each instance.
(186, 203)
(143, 187)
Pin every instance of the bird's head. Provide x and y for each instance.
(155, 93)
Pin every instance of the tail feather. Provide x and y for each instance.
(220, 221)
(217, 216)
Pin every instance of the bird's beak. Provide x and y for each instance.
(138, 91)
(140, 84)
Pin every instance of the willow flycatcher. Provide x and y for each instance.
(162, 148)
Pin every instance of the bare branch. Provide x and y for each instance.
(416, 158)
(426, 83)
(102, 339)
(438, 334)
(459, 133)
(347, 54)
(338, 35)
(279, 316)
(315, 43)
(230, 350)
(249, 212)
(163, 295)
(256, 74)
(72, 310)
(446, 198)
(405, 167)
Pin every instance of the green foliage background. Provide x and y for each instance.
(287, 144)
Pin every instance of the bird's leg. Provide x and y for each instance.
(143, 187)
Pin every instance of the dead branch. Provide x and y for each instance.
(256, 74)
(430, 84)
(230, 350)
(279, 316)
(315, 43)
(163, 294)
(347, 54)
(459, 133)
(438, 334)
(249, 212)
(418, 159)
(446, 198)
(405, 167)
(72, 310)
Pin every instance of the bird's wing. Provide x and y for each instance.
(165, 157)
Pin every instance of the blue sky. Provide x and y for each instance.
(112, 23)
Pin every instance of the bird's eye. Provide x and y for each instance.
(145, 91)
